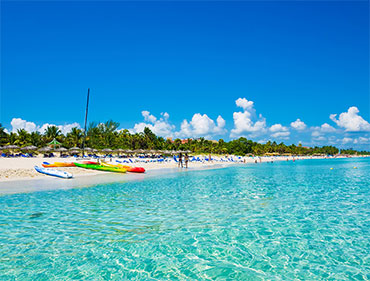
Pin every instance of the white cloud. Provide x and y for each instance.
(277, 128)
(202, 125)
(279, 131)
(316, 133)
(244, 103)
(18, 124)
(298, 125)
(351, 121)
(68, 127)
(63, 128)
(321, 138)
(346, 140)
(326, 128)
(243, 123)
(363, 140)
(281, 135)
(148, 117)
(160, 127)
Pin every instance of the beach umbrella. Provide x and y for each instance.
(12, 146)
(54, 143)
(95, 150)
(106, 150)
(61, 149)
(88, 149)
(30, 147)
(45, 149)
(74, 148)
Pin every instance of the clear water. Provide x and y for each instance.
(279, 221)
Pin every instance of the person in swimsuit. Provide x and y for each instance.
(186, 158)
(180, 160)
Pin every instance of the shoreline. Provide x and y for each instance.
(26, 179)
(45, 183)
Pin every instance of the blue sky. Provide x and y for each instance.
(192, 60)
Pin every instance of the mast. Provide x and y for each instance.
(87, 108)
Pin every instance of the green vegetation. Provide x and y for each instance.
(106, 135)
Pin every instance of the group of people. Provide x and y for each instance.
(186, 160)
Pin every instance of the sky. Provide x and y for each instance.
(292, 71)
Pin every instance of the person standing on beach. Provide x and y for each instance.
(186, 158)
(180, 160)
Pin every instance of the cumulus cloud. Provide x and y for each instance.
(18, 123)
(202, 125)
(148, 117)
(326, 128)
(319, 131)
(361, 140)
(298, 125)
(351, 121)
(160, 127)
(243, 121)
(244, 103)
(279, 131)
(347, 140)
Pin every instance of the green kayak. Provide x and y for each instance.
(101, 168)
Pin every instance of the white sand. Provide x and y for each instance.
(23, 168)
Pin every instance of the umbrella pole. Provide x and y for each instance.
(87, 108)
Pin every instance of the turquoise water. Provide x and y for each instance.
(279, 221)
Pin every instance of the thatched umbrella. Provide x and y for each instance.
(45, 149)
(61, 149)
(10, 147)
(29, 148)
(107, 150)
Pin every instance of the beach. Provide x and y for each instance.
(14, 169)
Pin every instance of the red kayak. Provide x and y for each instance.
(90, 162)
(136, 170)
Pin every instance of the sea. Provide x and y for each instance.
(302, 220)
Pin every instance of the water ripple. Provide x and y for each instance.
(281, 221)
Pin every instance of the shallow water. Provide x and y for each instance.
(279, 221)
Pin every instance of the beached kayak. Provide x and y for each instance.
(53, 172)
(57, 164)
(128, 168)
(101, 168)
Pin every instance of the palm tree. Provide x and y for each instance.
(74, 137)
(23, 137)
(3, 135)
(36, 139)
(52, 132)
(12, 138)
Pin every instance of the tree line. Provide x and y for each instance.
(107, 135)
